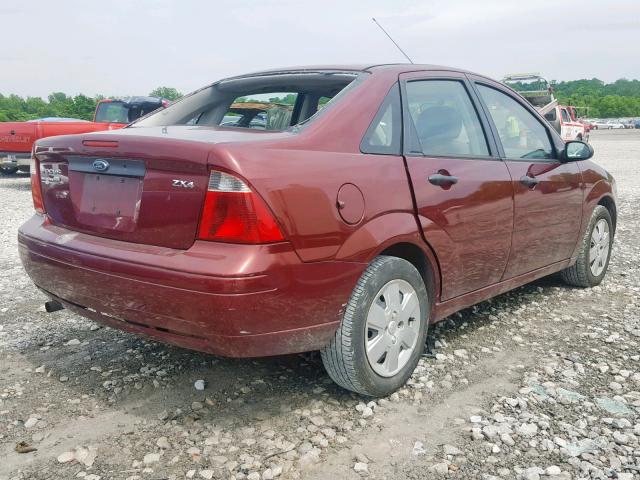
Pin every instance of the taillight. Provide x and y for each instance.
(36, 186)
(234, 213)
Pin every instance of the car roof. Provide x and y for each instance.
(364, 67)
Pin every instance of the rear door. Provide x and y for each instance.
(463, 191)
(547, 193)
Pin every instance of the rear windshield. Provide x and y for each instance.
(263, 102)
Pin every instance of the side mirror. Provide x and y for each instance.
(576, 150)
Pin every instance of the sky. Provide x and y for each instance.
(129, 47)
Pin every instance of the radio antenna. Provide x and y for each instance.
(394, 42)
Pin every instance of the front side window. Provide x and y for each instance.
(521, 134)
(565, 116)
(444, 119)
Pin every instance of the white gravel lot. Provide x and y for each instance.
(540, 383)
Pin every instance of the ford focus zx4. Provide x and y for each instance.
(340, 209)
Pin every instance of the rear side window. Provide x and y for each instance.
(520, 132)
(383, 135)
(444, 119)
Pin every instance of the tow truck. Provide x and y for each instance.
(539, 92)
(17, 138)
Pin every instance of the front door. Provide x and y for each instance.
(463, 190)
(547, 193)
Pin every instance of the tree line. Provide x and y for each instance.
(14, 108)
(596, 98)
(599, 99)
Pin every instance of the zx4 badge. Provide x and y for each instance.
(183, 183)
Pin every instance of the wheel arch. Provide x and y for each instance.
(419, 259)
(395, 234)
(607, 202)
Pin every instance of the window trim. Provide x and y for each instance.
(410, 135)
(393, 99)
(494, 129)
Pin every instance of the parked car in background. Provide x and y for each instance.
(630, 123)
(600, 124)
(414, 192)
(636, 123)
(17, 138)
(615, 124)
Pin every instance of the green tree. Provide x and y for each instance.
(169, 93)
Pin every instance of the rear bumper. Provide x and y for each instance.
(231, 300)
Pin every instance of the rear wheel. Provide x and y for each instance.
(595, 251)
(383, 330)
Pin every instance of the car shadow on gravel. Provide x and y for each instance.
(156, 381)
(473, 318)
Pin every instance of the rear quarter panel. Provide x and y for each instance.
(305, 205)
(300, 176)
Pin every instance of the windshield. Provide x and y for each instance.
(263, 102)
(123, 112)
(112, 112)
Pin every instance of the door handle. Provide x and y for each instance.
(529, 181)
(442, 180)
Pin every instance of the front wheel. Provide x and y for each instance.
(383, 330)
(595, 251)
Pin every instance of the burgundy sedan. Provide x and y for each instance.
(367, 203)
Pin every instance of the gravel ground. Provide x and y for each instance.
(540, 383)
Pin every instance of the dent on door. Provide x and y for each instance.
(468, 223)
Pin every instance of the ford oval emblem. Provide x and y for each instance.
(101, 165)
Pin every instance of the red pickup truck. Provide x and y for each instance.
(17, 138)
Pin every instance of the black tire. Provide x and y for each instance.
(345, 358)
(579, 274)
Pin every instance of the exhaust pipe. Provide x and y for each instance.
(53, 306)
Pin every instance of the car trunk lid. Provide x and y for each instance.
(117, 188)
